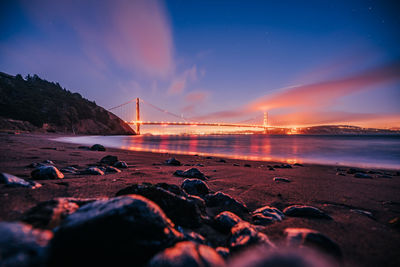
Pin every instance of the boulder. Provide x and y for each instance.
(46, 172)
(187, 254)
(181, 210)
(224, 202)
(244, 235)
(305, 211)
(267, 215)
(120, 165)
(97, 147)
(297, 237)
(109, 160)
(115, 232)
(111, 169)
(13, 181)
(49, 214)
(173, 162)
(190, 173)
(226, 220)
(195, 187)
(21, 245)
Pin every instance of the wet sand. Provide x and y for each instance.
(364, 241)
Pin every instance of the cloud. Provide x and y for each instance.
(179, 83)
(194, 99)
(135, 35)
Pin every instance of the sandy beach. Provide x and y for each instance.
(364, 240)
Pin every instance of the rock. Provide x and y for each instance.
(13, 181)
(209, 157)
(48, 162)
(120, 165)
(84, 147)
(195, 187)
(49, 214)
(222, 160)
(363, 212)
(296, 237)
(235, 164)
(281, 179)
(92, 171)
(267, 215)
(192, 236)
(46, 172)
(298, 165)
(283, 166)
(354, 170)
(109, 160)
(35, 165)
(111, 169)
(181, 210)
(362, 175)
(384, 176)
(244, 235)
(223, 252)
(21, 245)
(69, 170)
(191, 173)
(305, 211)
(284, 257)
(199, 165)
(173, 188)
(271, 169)
(97, 147)
(173, 162)
(187, 254)
(224, 202)
(247, 165)
(395, 222)
(340, 174)
(226, 220)
(114, 232)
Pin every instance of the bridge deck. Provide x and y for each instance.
(197, 124)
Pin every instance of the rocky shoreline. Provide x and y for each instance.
(66, 205)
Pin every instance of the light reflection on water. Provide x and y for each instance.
(363, 151)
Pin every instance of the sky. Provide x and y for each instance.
(304, 62)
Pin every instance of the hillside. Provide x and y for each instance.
(34, 104)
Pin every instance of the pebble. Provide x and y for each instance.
(281, 179)
(121, 165)
(244, 235)
(305, 211)
(190, 173)
(114, 232)
(189, 254)
(46, 172)
(173, 162)
(195, 187)
(267, 215)
(92, 171)
(111, 169)
(97, 147)
(109, 160)
(225, 202)
(362, 175)
(363, 212)
(225, 220)
(13, 181)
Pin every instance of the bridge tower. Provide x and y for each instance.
(265, 123)
(137, 116)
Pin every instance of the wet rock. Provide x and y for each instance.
(222, 160)
(362, 175)
(354, 170)
(49, 214)
(84, 147)
(298, 165)
(121, 165)
(97, 147)
(271, 169)
(199, 165)
(187, 254)
(191, 173)
(267, 215)
(13, 181)
(173, 162)
(363, 212)
(244, 235)
(48, 162)
(283, 166)
(226, 220)
(305, 211)
(209, 157)
(192, 236)
(261, 256)
(173, 188)
(195, 187)
(247, 165)
(296, 237)
(111, 169)
(226, 203)
(235, 164)
(92, 171)
(21, 245)
(35, 165)
(181, 210)
(109, 160)
(281, 179)
(340, 174)
(69, 170)
(46, 172)
(384, 176)
(223, 252)
(112, 232)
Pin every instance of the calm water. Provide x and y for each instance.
(363, 151)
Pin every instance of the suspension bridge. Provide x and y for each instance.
(138, 123)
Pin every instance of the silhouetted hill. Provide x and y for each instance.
(36, 104)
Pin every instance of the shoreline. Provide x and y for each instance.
(364, 241)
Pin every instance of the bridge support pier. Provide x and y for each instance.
(137, 116)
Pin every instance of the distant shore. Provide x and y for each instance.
(364, 240)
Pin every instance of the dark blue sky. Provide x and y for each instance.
(206, 59)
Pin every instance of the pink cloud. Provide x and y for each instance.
(194, 99)
(179, 83)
